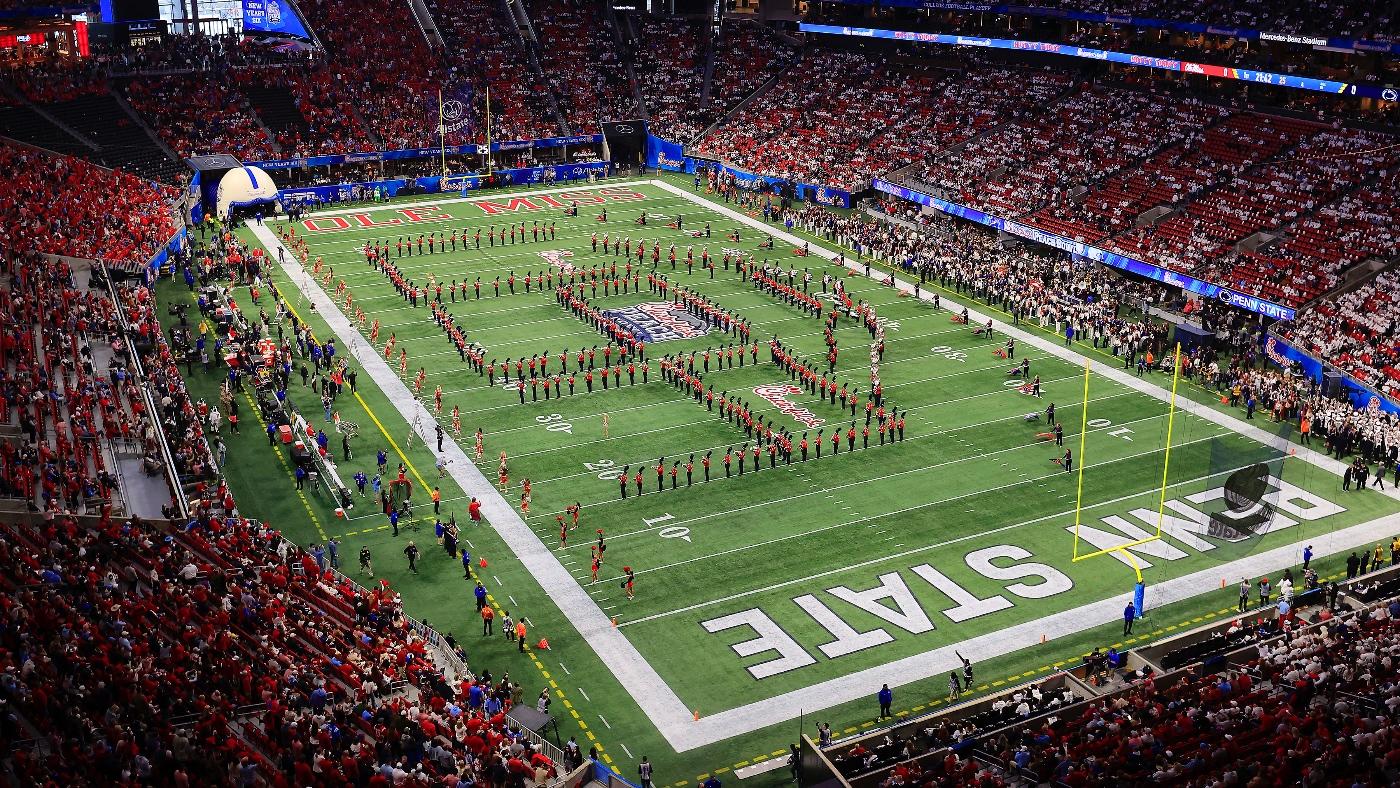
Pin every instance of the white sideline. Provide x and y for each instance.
(656, 698)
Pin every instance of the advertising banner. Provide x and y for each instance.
(1245, 75)
(665, 155)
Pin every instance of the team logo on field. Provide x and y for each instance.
(776, 394)
(658, 322)
(559, 258)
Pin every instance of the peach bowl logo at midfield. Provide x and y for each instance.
(658, 322)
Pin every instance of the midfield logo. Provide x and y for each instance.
(658, 322)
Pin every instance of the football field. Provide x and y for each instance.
(796, 586)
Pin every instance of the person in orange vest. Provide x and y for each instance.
(520, 633)
(437, 499)
(487, 617)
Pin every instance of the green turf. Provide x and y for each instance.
(970, 474)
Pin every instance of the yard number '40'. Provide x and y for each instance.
(949, 353)
(555, 423)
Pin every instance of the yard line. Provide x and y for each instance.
(604, 719)
(512, 601)
(585, 695)
(692, 402)
(914, 438)
(565, 669)
(629, 752)
(867, 518)
(911, 551)
(610, 501)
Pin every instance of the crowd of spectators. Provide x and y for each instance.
(1314, 708)
(49, 81)
(671, 69)
(874, 114)
(1039, 157)
(1357, 332)
(198, 113)
(219, 653)
(672, 56)
(486, 52)
(61, 205)
(207, 649)
(582, 64)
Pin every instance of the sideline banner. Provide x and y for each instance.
(670, 156)
(664, 155)
(362, 190)
(823, 195)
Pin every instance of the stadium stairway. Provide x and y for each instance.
(30, 126)
(274, 106)
(27, 123)
(709, 79)
(122, 140)
(519, 16)
(756, 94)
(427, 24)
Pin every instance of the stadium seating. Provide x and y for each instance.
(120, 139)
(486, 52)
(1356, 332)
(1023, 165)
(61, 205)
(671, 57)
(872, 116)
(23, 123)
(671, 68)
(582, 64)
(200, 113)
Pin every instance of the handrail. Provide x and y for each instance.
(171, 477)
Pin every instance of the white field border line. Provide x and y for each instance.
(457, 200)
(655, 697)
